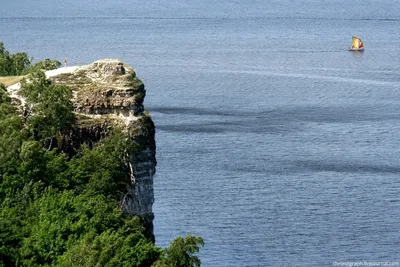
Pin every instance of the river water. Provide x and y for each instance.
(274, 143)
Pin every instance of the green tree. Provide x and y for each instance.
(102, 170)
(46, 64)
(51, 107)
(20, 63)
(181, 253)
(112, 248)
(5, 61)
(11, 138)
(13, 64)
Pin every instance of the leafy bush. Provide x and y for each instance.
(46, 64)
(20, 63)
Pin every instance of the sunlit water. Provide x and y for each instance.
(274, 143)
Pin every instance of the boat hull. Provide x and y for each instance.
(356, 49)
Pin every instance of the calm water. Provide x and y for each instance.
(274, 143)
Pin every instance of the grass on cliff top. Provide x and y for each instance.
(10, 80)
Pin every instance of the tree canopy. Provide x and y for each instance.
(20, 63)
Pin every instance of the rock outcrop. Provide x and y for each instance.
(107, 94)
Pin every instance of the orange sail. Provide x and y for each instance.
(356, 44)
(361, 45)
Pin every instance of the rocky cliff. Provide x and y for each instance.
(108, 95)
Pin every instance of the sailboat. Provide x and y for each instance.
(357, 44)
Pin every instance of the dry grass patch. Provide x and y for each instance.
(10, 80)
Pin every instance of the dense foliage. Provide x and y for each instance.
(59, 210)
(19, 63)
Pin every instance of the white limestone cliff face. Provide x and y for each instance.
(107, 94)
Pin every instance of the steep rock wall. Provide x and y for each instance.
(107, 94)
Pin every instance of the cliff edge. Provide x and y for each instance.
(108, 96)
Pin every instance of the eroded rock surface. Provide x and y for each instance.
(106, 86)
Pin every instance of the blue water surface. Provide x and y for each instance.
(274, 143)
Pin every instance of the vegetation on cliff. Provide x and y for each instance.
(62, 209)
(13, 67)
(20, 64)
